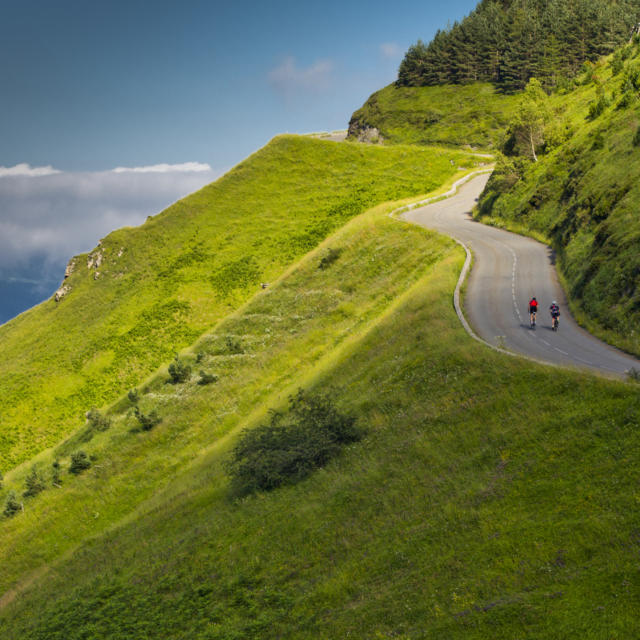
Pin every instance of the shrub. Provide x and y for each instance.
(633, 373)
(329, 258)
(1, 480)
(291, 445)
(34, 483)
(97, 421)
(636, 138)
(134, 396)
(179, 371)
(207, 378)
(599, 105)
(147, 421)
(12, 506)
(233, 345)
(79, 462)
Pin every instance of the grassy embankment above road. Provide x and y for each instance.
(475, 115)
(489, 496)
(583, 199)
(162, 285)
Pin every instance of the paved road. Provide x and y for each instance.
(508, 270)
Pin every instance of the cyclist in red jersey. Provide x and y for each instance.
(533, 310)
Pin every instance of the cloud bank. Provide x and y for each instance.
(48, 216)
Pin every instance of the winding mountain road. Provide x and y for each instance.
(508, 270)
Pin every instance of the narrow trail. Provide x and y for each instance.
(508, 270)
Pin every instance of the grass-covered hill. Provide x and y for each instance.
(583, 196)
(160, 286)
(487, 497)
(474, 115)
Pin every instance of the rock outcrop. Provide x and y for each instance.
(61, 293)
(364, 133)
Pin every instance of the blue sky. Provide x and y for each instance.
(91, 86)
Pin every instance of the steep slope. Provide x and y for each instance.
(475, 115)
(583, 199)
(145, 293)
(487, 499)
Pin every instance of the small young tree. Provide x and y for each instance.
(34, 483)
(134, 396)
(12, 506)
(55, 474)
(207, 378)
(147, 421)
(528, 127)
(79, 462)
(1, 480)
(179, 371)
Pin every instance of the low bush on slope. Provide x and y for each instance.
(584, 198)
(161, 285)
(489, 498)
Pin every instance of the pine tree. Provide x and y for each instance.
(34, 483)
(12, 506)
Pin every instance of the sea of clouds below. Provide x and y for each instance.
(48, 216)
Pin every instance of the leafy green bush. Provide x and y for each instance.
(291, 445)
(599, 105)
(634, 374)
(34, 483)
(12, 506)
(134, 396)
(95, 422)
(207, 378)
(636, 138)
(233, 345)
(329, 258)
(179, 371)
(147, 421)
(79, 462)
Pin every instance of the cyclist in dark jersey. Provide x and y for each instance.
(533, 309)
(554, 310)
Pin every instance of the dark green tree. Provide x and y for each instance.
(34, 483)
(79, 462)
(12, 506)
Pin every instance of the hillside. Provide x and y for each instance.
(160, 286)
(475, 115)
(509, 42)
(582, 197)
(461, 514)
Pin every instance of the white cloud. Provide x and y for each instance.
(45, 222)
(390, 50)
(288, 78)
(26, 170)
(185, 167)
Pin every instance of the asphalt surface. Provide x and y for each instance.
(508, 270)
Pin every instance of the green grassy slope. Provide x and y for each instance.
(453, 115)
(163, 284)
(490, 498)
(583, 198)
